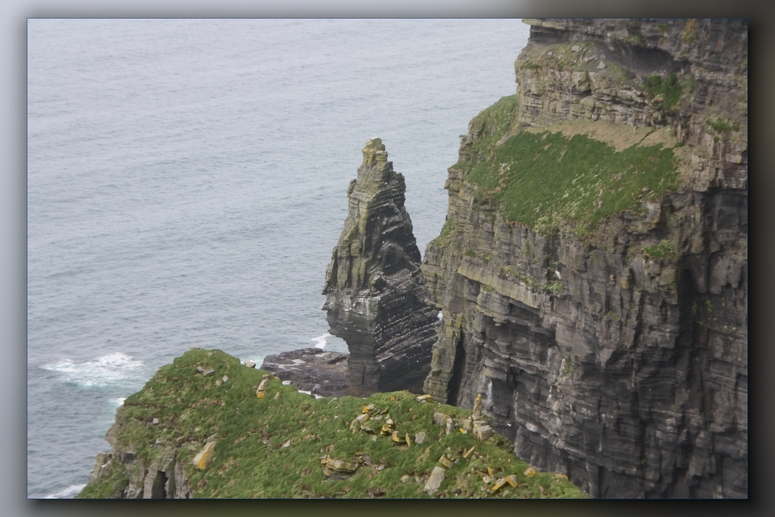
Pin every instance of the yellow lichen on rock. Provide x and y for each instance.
(204, 457)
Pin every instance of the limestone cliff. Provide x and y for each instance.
(592, 272)
(375, 292)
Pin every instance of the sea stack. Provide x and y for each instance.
(376, 297)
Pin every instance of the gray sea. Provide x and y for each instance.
(187, 182)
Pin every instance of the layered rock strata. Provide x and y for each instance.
(311, 369)
(162, 478)
(376, 298)
(617, 357)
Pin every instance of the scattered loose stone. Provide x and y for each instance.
(575, 48)
(477, 412)
(204, 457)
(250, 364)
(530, 472)
(469, 452)
(483, 431)
(336, 466)
(286, 444)
(405, 478)
(444, 461)
(225, 378)
(512, 480)
(208, 371)
(419, 437)
(439, 418)
(423, 398)
(498, 484)
(434, 481)
(601, 65)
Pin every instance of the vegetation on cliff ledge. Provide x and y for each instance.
(547, 180)
(273, 446)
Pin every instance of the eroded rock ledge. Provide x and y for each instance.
(375, 292)
(314, 370)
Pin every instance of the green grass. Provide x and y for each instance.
(249, 460)
(665, 249)
(669, 88)
(447, 231)
(547, 180)
(721, 124)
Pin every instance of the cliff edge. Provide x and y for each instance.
(592, 271)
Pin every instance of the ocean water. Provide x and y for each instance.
(187, 182)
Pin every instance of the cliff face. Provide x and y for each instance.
(375, 292)
(592, 273)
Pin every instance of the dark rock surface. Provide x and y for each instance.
(376, 298)
(632, 378)
(312, 369)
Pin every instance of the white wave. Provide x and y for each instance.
(320, 341)
(259, 360)
(68, 493)
(107, 370)
(119, 401)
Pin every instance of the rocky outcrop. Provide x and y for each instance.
(311, 369)
(616, 355)
(375, 291)
(125, 476)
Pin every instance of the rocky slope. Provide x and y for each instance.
(376, 297)
(207, 426)
(592, 273)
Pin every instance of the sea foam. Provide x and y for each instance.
(112, 369)
(67, 493)
(320, 341)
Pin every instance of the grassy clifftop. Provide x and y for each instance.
(291, 445)
(552, 179)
